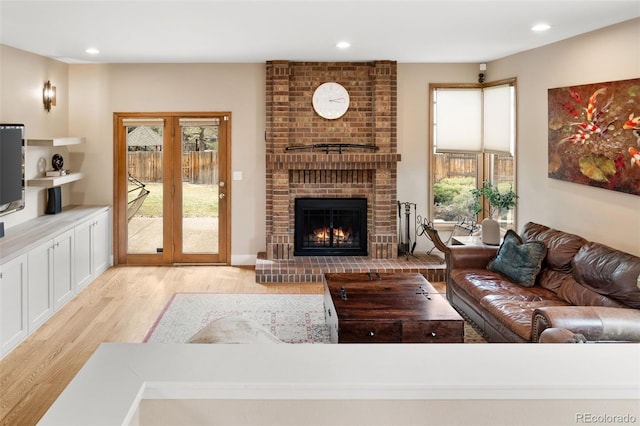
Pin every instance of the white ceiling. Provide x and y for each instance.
(424, 31)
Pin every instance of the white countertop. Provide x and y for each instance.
(111, 385)
(20, 238)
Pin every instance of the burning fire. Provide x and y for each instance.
(339, 235)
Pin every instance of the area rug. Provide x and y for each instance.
(293, 318)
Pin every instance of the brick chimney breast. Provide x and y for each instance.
(355, 172)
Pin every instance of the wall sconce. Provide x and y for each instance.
(49, 95)
(483, 70)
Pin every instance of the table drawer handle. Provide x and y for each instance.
(372, 333)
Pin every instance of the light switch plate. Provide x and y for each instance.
(237, 175)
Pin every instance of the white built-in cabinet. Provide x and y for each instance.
(13, 303)
(49, 272)
(62, 274)
(45, 262)
(91, 249)
(40, 288)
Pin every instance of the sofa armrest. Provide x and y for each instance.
(595, 323)
(560, 335)
(470, 257)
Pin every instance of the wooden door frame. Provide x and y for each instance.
(119, 187)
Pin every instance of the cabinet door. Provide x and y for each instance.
(63, 286)
(40, 278)
(83, 254)
(101, 243)
(13, 303)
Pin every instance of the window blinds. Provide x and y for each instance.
(199, 122)
(135, 122)
(458, 120)
(498, 119)
(475, 119)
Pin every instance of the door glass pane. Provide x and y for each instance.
(145, 186)
(200, 185)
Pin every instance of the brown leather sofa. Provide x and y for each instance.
(583, 288)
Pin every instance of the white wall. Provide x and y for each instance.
(601, 215)
(609, 54)
(95, 92)
(413, 129)
(22, 77)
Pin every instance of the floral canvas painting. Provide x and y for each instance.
(594, 135)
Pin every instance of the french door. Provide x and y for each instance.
(171, 189)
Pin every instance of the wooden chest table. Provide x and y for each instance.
(388, 308)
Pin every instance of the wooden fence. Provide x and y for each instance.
(465, 165)
(200, 167)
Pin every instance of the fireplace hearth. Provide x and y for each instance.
(330, 227)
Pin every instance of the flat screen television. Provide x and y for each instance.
(11, 168)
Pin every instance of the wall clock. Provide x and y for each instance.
(330, 100)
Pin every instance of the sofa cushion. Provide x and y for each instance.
(609, 272)
(580, 295)
(561, 246)
(531, 230)
(520, 262)
(550, 279)
(516, 311)
(479, 283)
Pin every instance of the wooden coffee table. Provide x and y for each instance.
(388, 308)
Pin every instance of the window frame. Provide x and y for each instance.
(483, 159)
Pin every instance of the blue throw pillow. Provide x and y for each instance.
(518, 261)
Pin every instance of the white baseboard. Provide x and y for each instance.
(243, 259)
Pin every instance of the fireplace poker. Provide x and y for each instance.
(404, 241)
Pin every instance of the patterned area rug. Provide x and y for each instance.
(293, 318)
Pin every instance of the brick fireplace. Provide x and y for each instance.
(312, 173)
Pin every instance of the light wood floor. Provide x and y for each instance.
(120, 306)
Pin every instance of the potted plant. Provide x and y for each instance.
(497, 201)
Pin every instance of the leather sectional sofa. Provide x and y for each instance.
(584, 287)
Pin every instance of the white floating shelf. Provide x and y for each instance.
(56, 141)
(48, 182)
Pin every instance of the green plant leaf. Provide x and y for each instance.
(597, 167)
(497, 200)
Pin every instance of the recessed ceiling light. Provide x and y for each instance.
(343, 45)
(92, 51)
(540, 27)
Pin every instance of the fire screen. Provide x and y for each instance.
(330, 227)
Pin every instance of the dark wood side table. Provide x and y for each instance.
(388, 308)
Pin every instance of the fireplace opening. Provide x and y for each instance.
(330, 227)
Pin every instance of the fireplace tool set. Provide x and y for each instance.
(405, 246)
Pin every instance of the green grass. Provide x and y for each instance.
(199, 200)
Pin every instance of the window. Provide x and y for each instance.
(473, 139)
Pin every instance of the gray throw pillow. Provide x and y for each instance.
(518, 261)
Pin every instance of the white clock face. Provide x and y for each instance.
(330, 100)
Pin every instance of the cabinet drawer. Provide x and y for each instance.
(369, 332)
(432, 332)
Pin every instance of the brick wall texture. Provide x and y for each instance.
(370, 120)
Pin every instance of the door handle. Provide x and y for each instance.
(221, 184)
(222, 195)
